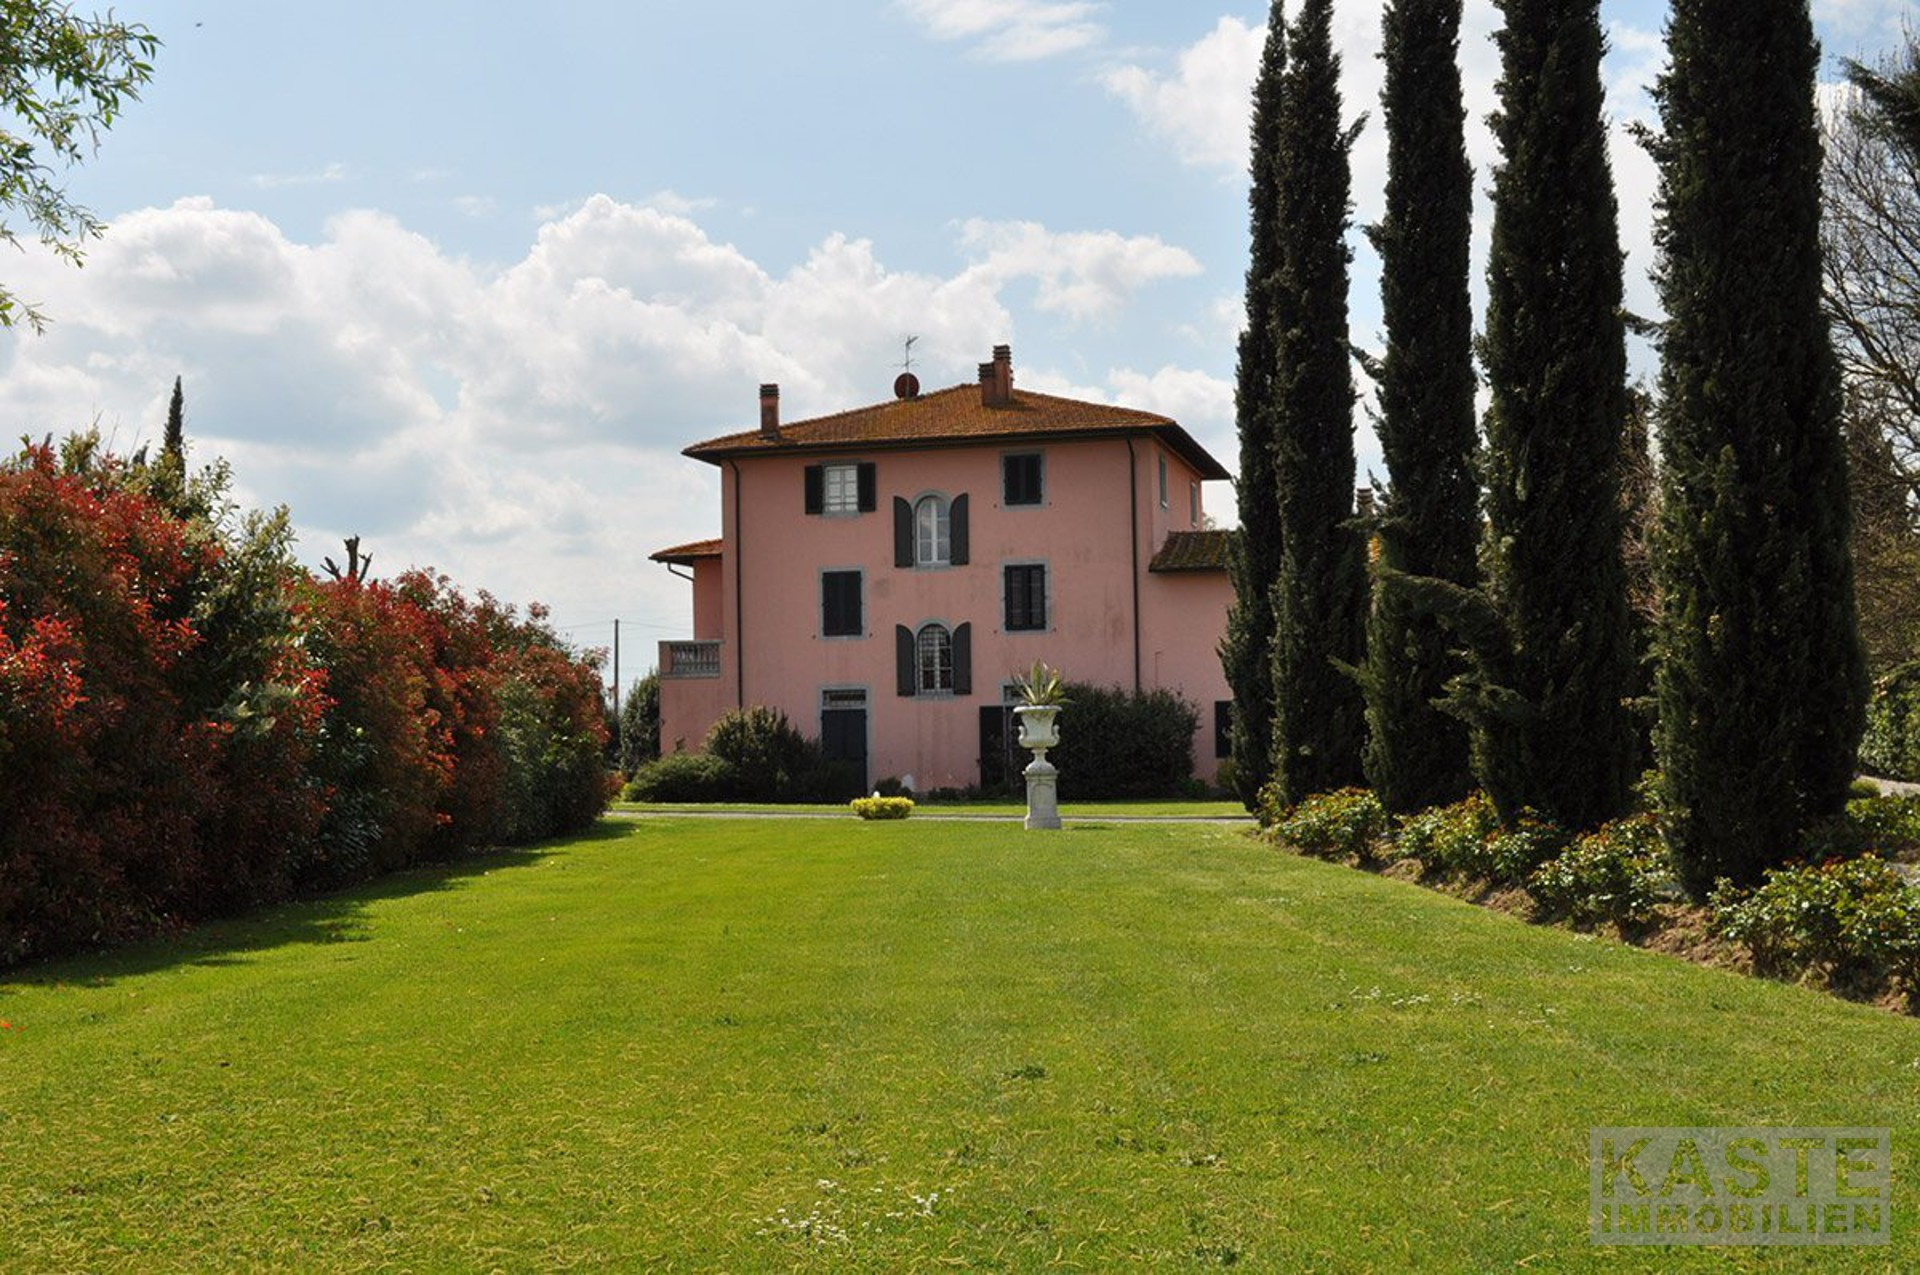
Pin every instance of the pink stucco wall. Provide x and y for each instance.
(768, 597)
(707, 619)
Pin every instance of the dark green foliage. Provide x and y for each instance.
(1762, 682)
(1348, 824)
(766, 751)
(1320, 595)
(640, 724)
(1253, 560)
(1551, 648)
(1892, 96)
(762, 758)
(1117, 744)
(1891, 746)
(1885, 825)
(1613, 874)
(1416, 756)
(174, 442)
(678, 777)
(1852, 922)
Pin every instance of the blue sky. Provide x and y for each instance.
(464, 278)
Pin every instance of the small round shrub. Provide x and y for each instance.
(1886, 826)
(877, 807)
(1612, 874)
(1335, 825)
(1450, 840)
(692, 777)
(1512, 854)
(1854, 921)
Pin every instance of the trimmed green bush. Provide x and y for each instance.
(882, 807)
(1887, 826)
(1512, 854)
(1450, 840)
(1853, 922)
(1612, 874)
(1891, 746)
(764, 749)
(1347, 824)
(1116, 744)
(683, 777)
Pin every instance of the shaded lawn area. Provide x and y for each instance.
(1174, 808)
(766, 1045)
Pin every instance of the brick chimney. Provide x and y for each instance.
(769, 411)
(996, 378)
(1363, 501)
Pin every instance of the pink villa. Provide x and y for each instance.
(883, 573)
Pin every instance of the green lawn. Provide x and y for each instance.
(769, 1045)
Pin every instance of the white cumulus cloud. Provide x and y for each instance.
(1082, 275)
(517, 427)
(1011, 30)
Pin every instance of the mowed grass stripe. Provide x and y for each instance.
(770, 1045)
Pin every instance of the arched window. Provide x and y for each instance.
(933, 653)
(932, 533)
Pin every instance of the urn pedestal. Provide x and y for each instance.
(1039, 731)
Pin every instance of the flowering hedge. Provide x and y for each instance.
(191, 725)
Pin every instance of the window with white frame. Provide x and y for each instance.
(841, 489)
(933, 654)
(932, 533)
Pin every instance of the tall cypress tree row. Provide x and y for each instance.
(1416, 756)
(1761, 683)
(1552, 670)
(1254, 557)
(1320, 596)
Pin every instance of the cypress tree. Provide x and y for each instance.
(1254, 555)
(1320, 596)
(1552, 656)
(174, 443)
(1761, 684)
(1428, 525)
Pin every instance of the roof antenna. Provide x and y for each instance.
(907, 385)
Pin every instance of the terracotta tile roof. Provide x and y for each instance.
(686, 554)
(956, 415)
(1192, 551)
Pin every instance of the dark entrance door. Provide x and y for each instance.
(843, 730)
(998, 767)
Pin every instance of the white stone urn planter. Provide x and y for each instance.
(1039, 727)
(1039, 731)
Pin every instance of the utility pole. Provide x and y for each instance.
(619, 717)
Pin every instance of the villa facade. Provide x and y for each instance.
(883, 573)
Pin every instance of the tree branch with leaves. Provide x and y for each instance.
(64, 80)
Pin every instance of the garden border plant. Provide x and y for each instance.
(1845, 918)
